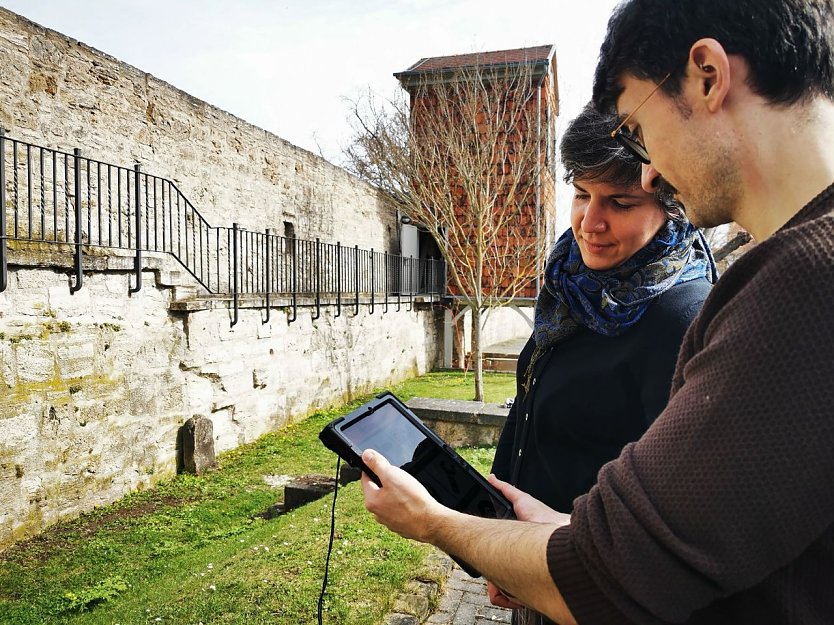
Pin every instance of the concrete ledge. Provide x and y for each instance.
(460, 422)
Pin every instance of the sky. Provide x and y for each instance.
(289, 66)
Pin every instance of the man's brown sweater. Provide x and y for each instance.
(723, 512)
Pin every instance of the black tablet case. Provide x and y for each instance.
(387, 425)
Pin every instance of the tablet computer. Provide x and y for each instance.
(387, 425)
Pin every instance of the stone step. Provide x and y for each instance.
(500, 364)
(503, 356)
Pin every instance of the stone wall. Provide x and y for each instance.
(96, 385)
(61, 93)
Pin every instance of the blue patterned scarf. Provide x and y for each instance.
(610, 302)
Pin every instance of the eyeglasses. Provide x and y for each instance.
(626, 138)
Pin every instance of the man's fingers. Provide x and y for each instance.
(502, 602)
(500, 598)
(495, 595)
(368, 485)
(377, 464)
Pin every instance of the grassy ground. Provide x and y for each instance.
(195, 550)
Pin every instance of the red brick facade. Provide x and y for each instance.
(513, 262)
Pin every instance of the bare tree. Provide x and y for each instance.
(467, 157)
(728, 242)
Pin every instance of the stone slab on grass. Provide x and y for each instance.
(461, 422)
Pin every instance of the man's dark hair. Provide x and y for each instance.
(788, 45)
(589, 153)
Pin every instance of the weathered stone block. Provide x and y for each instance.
(76, 356)
(415, 604)
(401, 619)
(197, 445)
(35, 362)
(7, 366)
(461, 422)
(348, 474)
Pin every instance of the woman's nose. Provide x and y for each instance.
(593, 219)
(649, 178)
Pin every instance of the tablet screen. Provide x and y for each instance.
(392, 434)
(387, 431)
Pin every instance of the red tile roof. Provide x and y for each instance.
(537, 54)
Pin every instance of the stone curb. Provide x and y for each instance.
(459, 411)
(415, 604)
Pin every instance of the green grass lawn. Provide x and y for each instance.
(194, 550)
(456, 385)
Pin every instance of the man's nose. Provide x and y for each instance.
(649, 178)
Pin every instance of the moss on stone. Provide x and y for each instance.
(58, 389)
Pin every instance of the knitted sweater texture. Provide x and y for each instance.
(723, 512)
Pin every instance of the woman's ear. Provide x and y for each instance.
(709, 66)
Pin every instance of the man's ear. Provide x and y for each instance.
(709, 66)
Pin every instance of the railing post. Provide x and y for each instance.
(356, 258)
(318, 280)
(79, 275)
(137, 259)
(4, 276)
(266, 272)
(294, 280)
(373, 284)
(443, 288)
(410, 284)
(400, 261)
(234, 274)
(338, 279)
(387, 268)
(431, 279)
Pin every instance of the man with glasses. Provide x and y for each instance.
(723, 512)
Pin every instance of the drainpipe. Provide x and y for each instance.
(539, 182)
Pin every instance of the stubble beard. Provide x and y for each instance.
(715, 200)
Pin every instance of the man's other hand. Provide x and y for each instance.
(527, 507)
(500, 598)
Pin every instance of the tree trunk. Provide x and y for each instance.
(477, 354)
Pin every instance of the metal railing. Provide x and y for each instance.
(51, 196)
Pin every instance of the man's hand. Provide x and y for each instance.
(513, 553)
(527, 507)
(403, 505)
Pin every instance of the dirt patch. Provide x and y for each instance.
(53, 539)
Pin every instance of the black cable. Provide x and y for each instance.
(332, 534)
